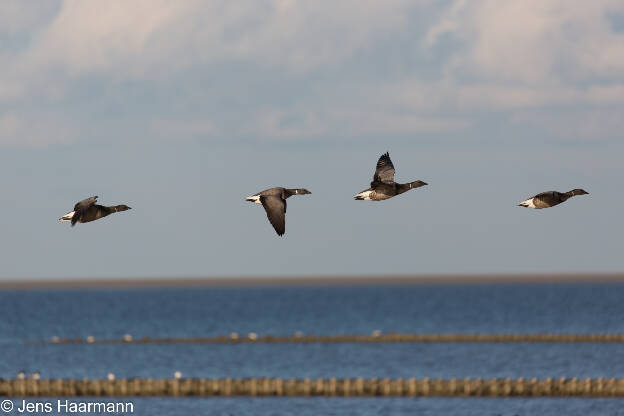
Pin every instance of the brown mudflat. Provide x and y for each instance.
(314, 280)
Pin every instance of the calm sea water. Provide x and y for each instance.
(192, 312)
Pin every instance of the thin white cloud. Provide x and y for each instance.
(447, 24)
(533, 41)
(426, 98)
(574, 124)
(349, 123)
(144, 36)
(368, 123)
(10, 90)
(175, 129)
(287, 125)
(35, 131)
(349, 68)
(606, 95)
(16, 16)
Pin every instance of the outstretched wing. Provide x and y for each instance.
(275, 208)
(81, 207)
(385, 170)
(85, 203)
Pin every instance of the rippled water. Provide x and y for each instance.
(192, 312)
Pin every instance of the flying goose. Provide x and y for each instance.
(550, 198)
(87, 210)
(274, 202)
(383, 185)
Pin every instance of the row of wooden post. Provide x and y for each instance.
(252, 337)
(354, 387)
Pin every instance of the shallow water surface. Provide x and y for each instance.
(193, 312)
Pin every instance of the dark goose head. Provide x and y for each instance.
(578, 192)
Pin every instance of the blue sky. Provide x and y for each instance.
(182, 109)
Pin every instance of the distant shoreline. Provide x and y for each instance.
(546, 278)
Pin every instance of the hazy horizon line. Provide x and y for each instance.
(309, 280)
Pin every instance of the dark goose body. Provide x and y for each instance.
(274, 202)
(550, 198)
(87, 210)
(383, 185)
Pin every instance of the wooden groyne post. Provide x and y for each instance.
(332, 387)
(375, 337)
